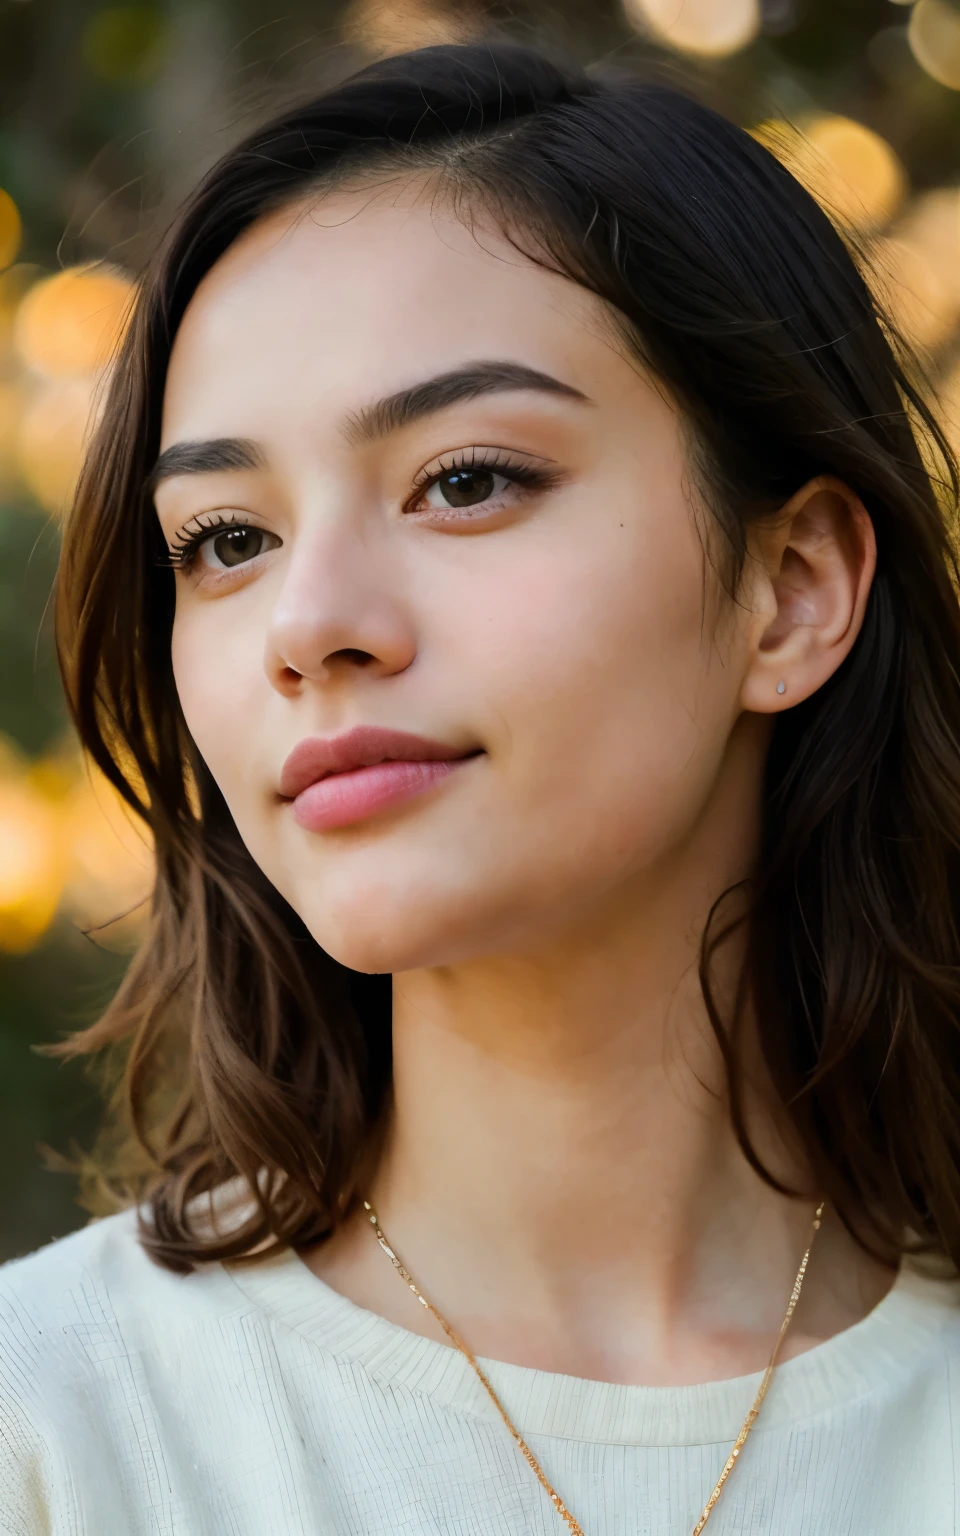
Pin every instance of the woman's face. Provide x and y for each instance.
(438, 500)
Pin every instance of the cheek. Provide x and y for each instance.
(617, 701)
(217, 658)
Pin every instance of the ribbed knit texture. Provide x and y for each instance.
(259, 1402)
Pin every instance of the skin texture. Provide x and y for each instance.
(559, 1173)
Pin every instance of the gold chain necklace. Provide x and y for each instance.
(521, 1444)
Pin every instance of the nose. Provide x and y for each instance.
(338, 611)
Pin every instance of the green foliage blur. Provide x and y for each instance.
(107, 114)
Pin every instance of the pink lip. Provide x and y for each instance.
(336, 780)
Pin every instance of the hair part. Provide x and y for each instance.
(727, 281)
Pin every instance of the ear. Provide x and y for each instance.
(812, 570)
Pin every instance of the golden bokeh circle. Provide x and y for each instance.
(72, 322)
(53, 431)
(863, 182)
(708, 28)
(33, 866)
(911, 292)
(934, 35)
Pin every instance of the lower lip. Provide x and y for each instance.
(343, 798)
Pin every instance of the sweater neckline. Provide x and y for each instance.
(872, 1355)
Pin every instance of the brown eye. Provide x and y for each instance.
(235, 545)
(481, 487)
(465, 487)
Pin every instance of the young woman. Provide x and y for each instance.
(514, 580)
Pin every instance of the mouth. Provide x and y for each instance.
(334, 781)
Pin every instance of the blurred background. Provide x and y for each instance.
(108, 113)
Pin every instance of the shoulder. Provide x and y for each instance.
(59, 1290)
(75, 1283)
(79, 1319)
(48, 1301)
(927, 1313)
(71, 1299)
(928, 1293)
(60, 1306)
(906, 1353)
(50, 1266)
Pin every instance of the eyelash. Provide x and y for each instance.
(183, 552)
(528, 475)
(185, 548)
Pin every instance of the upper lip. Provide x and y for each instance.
(364, 745)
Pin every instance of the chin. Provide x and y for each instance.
(388, 906)
(380, 950)
(388, 931)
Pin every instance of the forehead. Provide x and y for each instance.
(354, 294)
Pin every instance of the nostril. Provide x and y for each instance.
(355, 657)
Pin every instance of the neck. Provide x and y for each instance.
(560, 1174)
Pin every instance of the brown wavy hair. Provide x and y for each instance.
(248, 1052)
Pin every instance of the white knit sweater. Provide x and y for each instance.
(259, 1402)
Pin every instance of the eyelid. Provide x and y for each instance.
(218, 515)
(485, 456)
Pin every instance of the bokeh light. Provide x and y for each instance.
(11, 405)
(72, 322)
(67, 844)
(10, 229)
(32, 862)
(934, 35)
(708, 28)
(391, 26)
(932, 225)
(851, 171)
(53, 428)
(908, 286)
(14, 283)
(109, 873)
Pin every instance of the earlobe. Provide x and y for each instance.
(818, 559)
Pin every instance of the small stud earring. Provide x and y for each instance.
(781, 686)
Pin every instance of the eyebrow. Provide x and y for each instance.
(373, 422)
(205, 458)
(445, 389)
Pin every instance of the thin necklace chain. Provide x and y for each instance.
(521, 1444)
